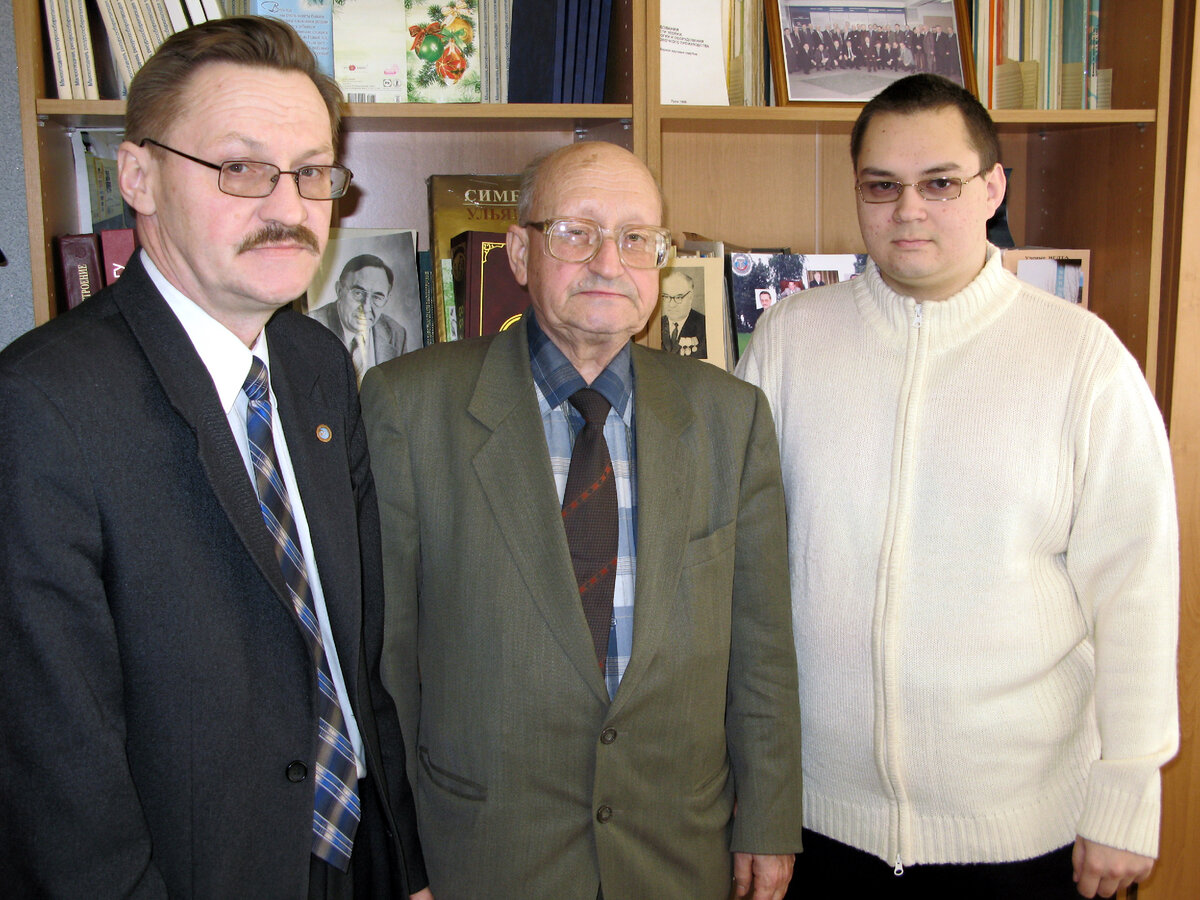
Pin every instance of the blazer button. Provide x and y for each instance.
(608, 735)
(603, 814)
(296, 771)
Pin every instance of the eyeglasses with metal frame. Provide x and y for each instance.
(579, 240)
(939, 189)
(254, 179)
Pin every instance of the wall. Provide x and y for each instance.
(16, 309)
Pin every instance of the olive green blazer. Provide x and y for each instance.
(529, 781)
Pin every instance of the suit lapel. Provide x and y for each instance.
(320, 467)
(519, 486)
(665, 471)
(190, 390)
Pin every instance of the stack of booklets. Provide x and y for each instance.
(96, 46)
(1040, 54)
(558, 51)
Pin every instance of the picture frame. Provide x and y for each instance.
(929, 36)
(698, 325)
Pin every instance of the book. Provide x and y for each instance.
(370, 40)
(58, 49)
(441, 56)
(449, 312)
(196, 12)
(1063, 273)
(175, 14)
(492, 300)
(99, 202)
(692, 69)
(141, 32)
(66, 15)
(79, 267)
(87, 53)
(124, 63)
(116, 247)
(464, 203)
(428, 313)
(536, 37)
(375, 261)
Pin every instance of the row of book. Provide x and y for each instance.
(1040, 54)
(89, 262)
(96, 46)
(379, 51)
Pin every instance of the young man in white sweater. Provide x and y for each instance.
(983, 544)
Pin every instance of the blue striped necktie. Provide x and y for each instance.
(335, 808)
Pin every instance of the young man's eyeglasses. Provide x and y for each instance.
(942, 188)
(250, 178)
(579, 240)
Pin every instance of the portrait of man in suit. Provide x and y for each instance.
(588, 635)
(190, 584)
(682, 324)
(356, 315)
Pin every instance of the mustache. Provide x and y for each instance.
(617, 285)
(274, 233)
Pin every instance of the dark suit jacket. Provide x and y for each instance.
(529, 782)
(693, 327)
(387, 334)
(159, 699)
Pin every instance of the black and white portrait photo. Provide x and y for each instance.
(366, 292)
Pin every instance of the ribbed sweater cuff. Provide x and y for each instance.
(1121, 819)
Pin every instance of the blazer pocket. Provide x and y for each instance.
(710, 546)
(449, 782)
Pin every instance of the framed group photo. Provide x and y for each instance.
(848, 52)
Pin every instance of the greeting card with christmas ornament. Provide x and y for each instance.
(443, 60)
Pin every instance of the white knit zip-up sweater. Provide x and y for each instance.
(984, 559)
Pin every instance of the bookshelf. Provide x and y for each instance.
(776, 176)
(1111, 162)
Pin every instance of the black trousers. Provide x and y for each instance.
(828, 868)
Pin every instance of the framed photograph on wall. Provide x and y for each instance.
(848, 52)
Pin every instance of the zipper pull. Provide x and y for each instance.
(899, 870)
(917, 321)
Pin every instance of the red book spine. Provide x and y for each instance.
(116, 246)
(79, 258)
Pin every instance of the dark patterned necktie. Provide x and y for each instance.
(590, 518)
(335, 807)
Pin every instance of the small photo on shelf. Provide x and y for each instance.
(839, 54)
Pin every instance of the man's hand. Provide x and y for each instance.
(1101, 871)
(426, 894)
(765, 874)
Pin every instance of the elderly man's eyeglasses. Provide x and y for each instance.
(942, 188)
(579, 240)
(250, 178)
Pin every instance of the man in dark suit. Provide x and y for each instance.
(683, 330)
(356, 314)
(584, 710)
(191, 694)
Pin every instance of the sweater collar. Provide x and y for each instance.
(949, 322)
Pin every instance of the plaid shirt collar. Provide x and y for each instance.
(558, 379)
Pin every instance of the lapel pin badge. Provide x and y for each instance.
(324, 435)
